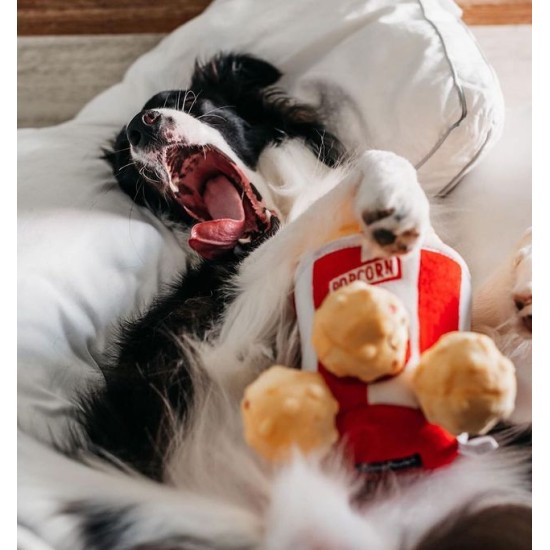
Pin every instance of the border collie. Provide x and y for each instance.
(250, 179)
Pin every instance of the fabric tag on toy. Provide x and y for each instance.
(476, 446)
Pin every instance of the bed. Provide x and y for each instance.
(87, 257)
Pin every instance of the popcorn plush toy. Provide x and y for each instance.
(387, 368)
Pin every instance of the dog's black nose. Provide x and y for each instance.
(143, 128)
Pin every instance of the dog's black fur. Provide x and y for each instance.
(146, 377)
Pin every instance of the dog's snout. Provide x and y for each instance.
(144, 128)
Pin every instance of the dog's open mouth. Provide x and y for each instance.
(215, 192)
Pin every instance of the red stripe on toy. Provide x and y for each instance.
(439, 283)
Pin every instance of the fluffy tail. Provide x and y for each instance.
(71, 505)
(308, 505)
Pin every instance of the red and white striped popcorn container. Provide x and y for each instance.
(380, 423)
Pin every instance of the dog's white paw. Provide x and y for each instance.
(390, 205)
(522, 289)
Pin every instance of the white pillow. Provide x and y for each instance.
(402, 75)
(88, 256)
(409, 77)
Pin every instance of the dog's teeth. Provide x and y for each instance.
(174, 187)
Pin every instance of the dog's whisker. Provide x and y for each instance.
(221, 108)
(126, 165)
(195, 97)
(209, 115)
(184, 101)
(121, 150)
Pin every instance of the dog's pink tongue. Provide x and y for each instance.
(225, 206)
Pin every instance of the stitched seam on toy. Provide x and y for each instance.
(457, 85)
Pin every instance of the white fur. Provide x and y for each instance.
(261, 310)
(216, 488)
(311, 504)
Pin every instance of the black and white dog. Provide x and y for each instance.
(249, 179)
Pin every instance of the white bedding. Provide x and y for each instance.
(492, 204)
(87, 256)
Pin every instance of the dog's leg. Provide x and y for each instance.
(381, 193)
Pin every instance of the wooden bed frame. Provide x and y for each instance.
(69, 17)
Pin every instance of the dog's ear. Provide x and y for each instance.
(233, 75)
(245, 85)
(292, 119)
